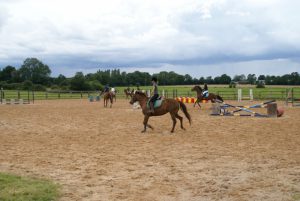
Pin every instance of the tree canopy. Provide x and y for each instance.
(34, 74)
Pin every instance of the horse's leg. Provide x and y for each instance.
(149, 126)
(111, 102)
(174, 121)
(180, 118)
(146, 118)
(199, 104)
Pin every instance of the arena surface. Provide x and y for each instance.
(98, 153)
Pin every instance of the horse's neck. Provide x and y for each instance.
(143, 101)
(199, 91)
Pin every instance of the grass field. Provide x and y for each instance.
(15, 188)
(270, 92)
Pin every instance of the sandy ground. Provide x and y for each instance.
(98, 153)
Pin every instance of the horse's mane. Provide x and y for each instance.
(197, 86)
(141, 93)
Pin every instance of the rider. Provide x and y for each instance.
(205, 91)
(154, 95)
(106, 88)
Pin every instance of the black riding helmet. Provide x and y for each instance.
(154, 79)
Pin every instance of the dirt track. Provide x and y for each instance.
(100, 154)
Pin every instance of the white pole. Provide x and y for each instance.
(239, 95)
(251, 94)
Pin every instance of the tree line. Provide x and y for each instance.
(35, 75)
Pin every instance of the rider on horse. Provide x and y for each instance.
(106, 88)
(154, 95)
(205, 91)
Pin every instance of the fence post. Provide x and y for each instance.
(293, 97)
(19, 95)
(33, 97)
(1, 94)
(46, 95)
(58, 94)
(81, 94)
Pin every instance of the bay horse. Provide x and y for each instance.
(107, 96)
(212, 97)
(168, 106)
(128, 93)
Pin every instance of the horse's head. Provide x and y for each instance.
(137, 96)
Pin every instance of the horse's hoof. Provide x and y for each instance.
(143, 131)
(183, 128)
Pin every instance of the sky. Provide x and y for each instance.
(196, 37)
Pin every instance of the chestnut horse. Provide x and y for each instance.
(107, 96)
(168, 106)
(212, 97)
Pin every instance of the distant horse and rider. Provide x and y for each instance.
(128, 93)
(108, 95)
(157, 107)
(202, 94)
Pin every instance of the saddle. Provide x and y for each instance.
(158, 102)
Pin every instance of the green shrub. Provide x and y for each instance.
(95, 85)
(2, 84)
(232, 85)
(39, 87)
(260, 85)
(27, 85)
(13, 86)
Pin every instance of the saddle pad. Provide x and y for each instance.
(157, 103)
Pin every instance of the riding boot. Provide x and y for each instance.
(151, 109)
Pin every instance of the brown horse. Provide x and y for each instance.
(107, 96)
(168, 106)
(212, 97)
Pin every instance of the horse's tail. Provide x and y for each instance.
(184, 110)
(220, 98)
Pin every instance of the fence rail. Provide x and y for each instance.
(227, 94)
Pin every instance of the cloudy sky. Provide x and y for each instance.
(198, 37)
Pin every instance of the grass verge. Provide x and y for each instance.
(16, 188)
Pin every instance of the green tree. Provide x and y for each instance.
(251, 78)
(261, 77)
(35, 71)
(78, 82)
(7, 74)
